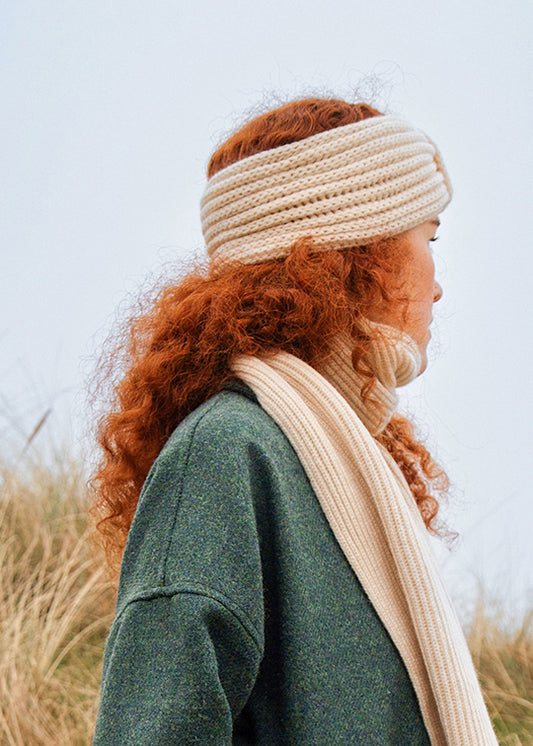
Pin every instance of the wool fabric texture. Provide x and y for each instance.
(341, 188)
(393, 357)
(374, 518)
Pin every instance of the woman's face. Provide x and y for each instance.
(416, 281)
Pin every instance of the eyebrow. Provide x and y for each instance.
(436, 222)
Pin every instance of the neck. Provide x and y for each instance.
(393, 358)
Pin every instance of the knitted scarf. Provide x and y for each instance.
(373, 515)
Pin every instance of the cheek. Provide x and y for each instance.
(421, 292)
(423, 281)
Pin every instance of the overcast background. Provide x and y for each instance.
(109, 112)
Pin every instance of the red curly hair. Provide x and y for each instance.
(177, 353)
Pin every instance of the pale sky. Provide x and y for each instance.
(109, 113)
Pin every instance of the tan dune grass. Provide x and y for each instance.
(502, 648)
(55, 609)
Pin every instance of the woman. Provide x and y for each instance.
(277, 585)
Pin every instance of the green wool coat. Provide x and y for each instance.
(239, 620)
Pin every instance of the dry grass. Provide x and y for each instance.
(56, 607)
(503, 654)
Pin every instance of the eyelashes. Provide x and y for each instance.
(435, 238)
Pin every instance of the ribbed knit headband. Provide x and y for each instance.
(374, 178)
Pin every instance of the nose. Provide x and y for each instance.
(437, 292)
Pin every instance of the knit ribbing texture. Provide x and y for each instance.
(373, 515)
(393, 357)
(341, 188)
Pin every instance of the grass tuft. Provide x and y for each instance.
(503, 654)
(55, 609)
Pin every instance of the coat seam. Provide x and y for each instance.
(197, 589)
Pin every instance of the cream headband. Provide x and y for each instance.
(342, 187)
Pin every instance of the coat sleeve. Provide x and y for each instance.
(179, 668)
(186, 643)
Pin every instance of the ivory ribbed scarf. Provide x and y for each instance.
(394, 359)
(342, 187)
(376, 522)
